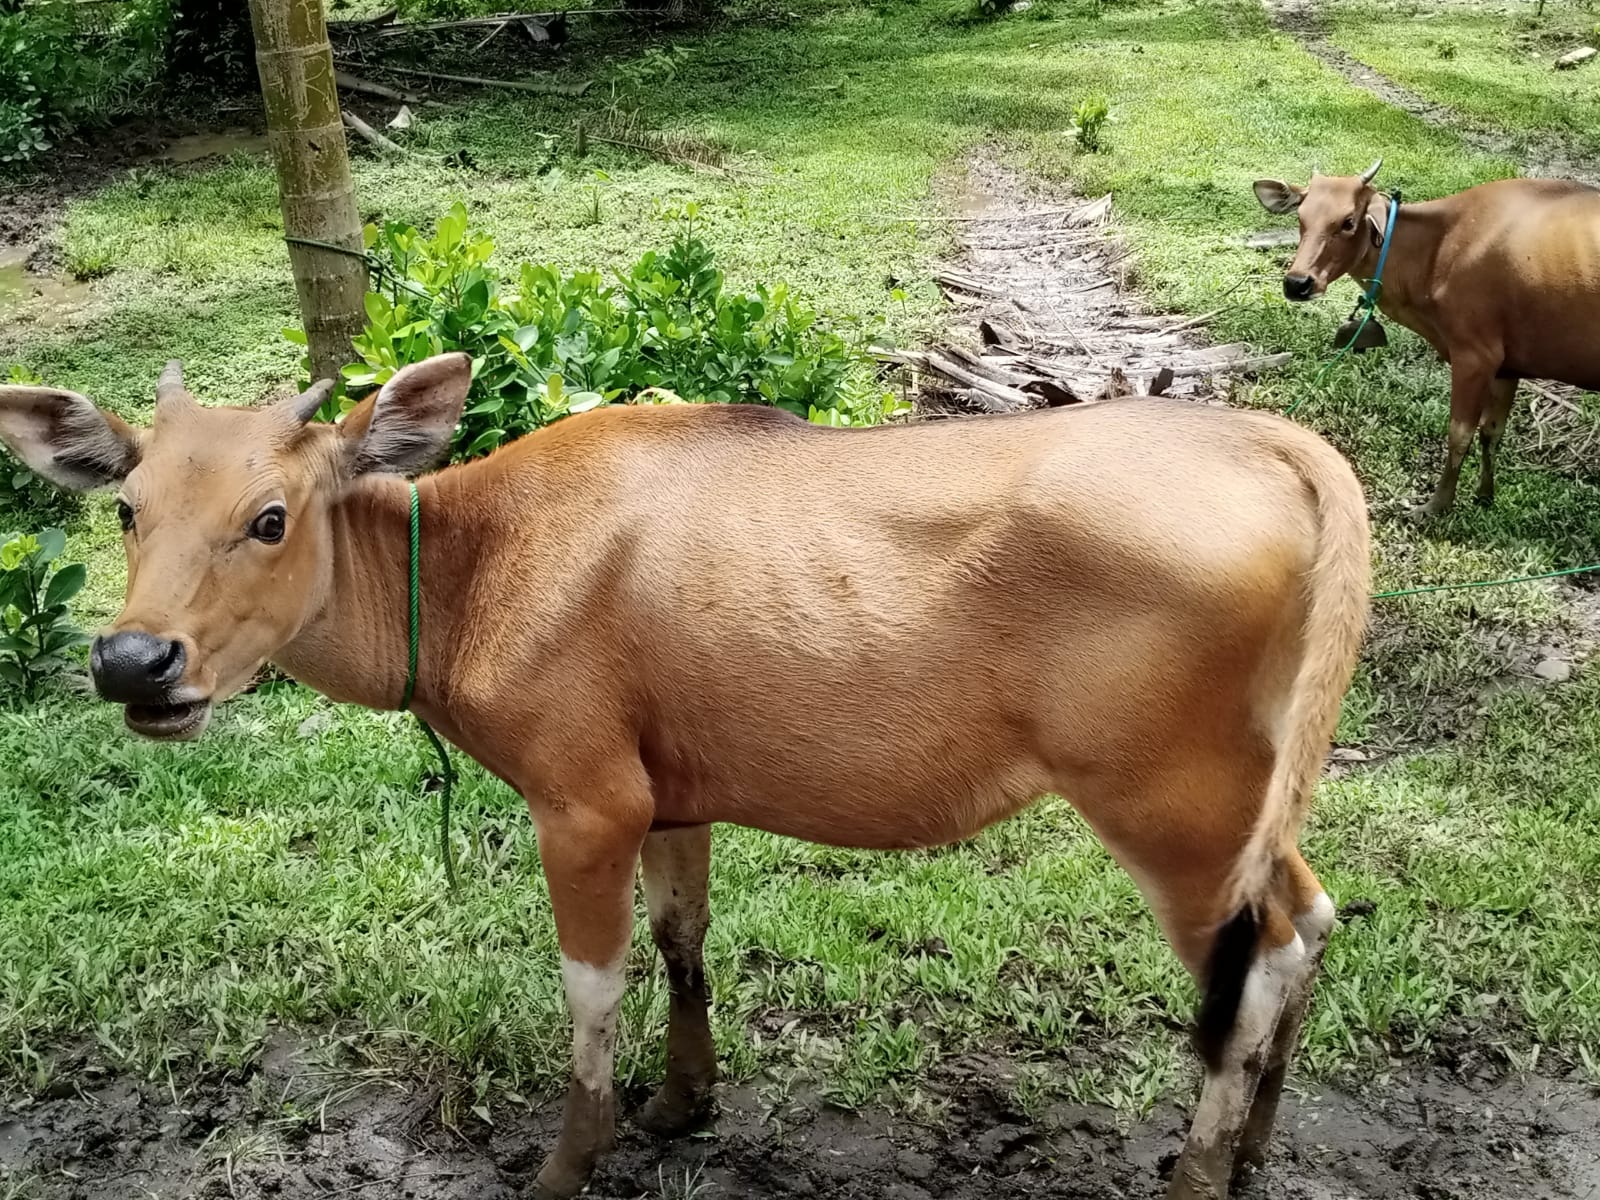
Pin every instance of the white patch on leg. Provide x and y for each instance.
(1316, 923)
(594, 997)
(1225, 1099)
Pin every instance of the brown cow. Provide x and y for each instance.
(651, 619)
(1503, 280)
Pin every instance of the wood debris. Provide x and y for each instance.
(1052, 321)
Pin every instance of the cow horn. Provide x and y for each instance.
(303, 407)
(1367, 175)
(170, 385)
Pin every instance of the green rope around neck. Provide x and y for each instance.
(447, 775)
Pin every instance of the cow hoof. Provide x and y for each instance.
(1484, 499)
(1421, 514)
(558, 1180)
(671, 1113)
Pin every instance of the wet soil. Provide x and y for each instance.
(1542, 155)
(291, 1128)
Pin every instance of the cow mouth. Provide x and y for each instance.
(168, 722)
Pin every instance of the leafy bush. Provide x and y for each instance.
(564, 343)
(55, 73)
(36, 627)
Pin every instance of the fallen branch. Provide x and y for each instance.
(369, 134)
(989, 395)
(491, 35)
(1016, 216)
(373, 22)
(542, 89)
(965, 283)
(354, 83)
(1266, 362)
(482, 22)
(1193, 321)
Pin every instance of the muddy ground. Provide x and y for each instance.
(289, 1129)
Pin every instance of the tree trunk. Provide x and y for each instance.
(318, 199)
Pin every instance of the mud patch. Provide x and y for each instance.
(1045, 312)
(31, 204)
(292, 1128)
(40, 299)
(1541, 155)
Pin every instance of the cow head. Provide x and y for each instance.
(227, 520)
(1336, 227)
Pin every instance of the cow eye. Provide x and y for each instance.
(269, 525)
(125, 515)
(1349, 225)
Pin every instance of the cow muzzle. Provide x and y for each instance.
(1299, 287)
(144, 674)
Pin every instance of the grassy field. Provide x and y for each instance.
(1492, 63)
(171, 902)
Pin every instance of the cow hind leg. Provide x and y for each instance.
(677, 866)
(1179, 836)
(1312, 914)
(1501, 394)
(1266, 958)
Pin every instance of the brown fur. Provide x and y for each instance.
(658, 618)
(1503, 280)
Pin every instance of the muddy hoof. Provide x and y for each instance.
(671, 1114)
(558, 1180)
(1421, 514)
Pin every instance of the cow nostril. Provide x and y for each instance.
(170, 665)
(136, 668)
(1298, 287)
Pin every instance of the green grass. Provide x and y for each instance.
(1493, 64)
(170, 901)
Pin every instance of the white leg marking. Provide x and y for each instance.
(1316, 923)
(1225, 1099)
(594, 995)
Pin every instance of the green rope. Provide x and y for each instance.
(1484, 583)
(447, 775)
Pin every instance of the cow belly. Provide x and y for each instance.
(926, 745)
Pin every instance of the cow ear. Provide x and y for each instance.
(408, 425)
(63, 437)
(1278, 197)
(1376, 220)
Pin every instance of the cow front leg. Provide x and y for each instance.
(677, 868)
(1470, 384)
(1501, 394)
(590, 851)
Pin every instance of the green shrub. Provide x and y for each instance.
(54, 73)
(564, 343)
(36, 627)
(1088, 123)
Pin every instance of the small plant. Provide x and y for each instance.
(1445, 49)
(36, 628)
(1088, 123)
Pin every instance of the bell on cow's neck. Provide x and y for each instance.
(1366, 335)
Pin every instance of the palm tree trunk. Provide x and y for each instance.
(318, 199)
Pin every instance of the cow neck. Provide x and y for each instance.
(1400, 227)
(356, 649)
